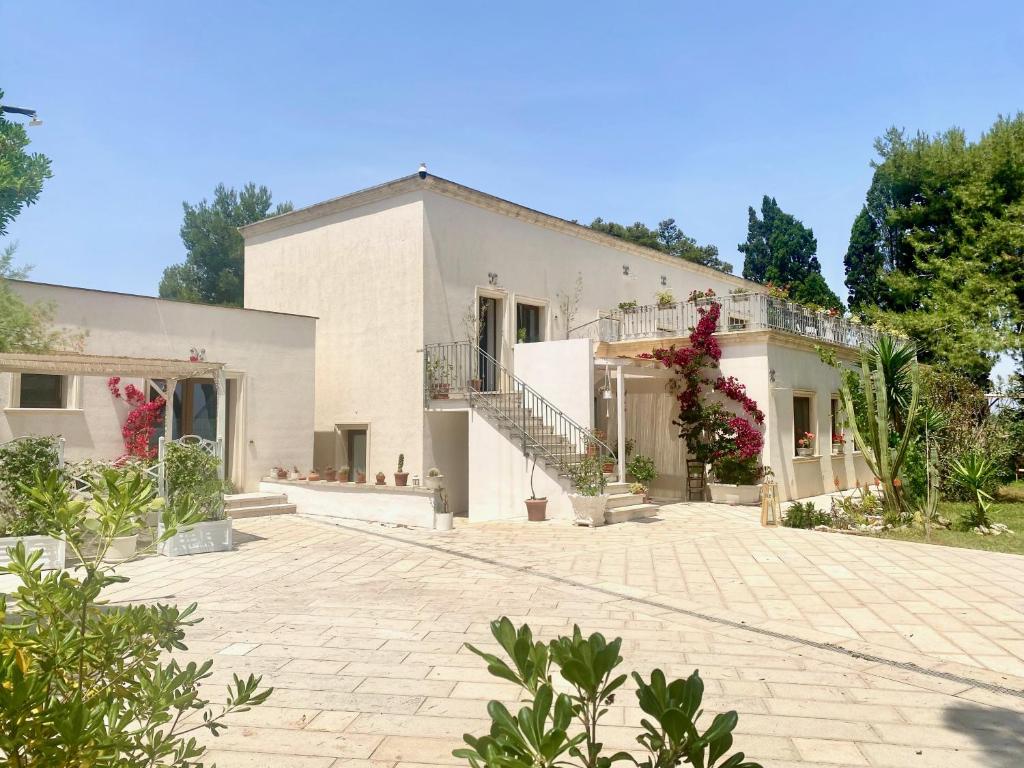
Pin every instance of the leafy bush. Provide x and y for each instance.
(20, 461)
(642, 469)
(86, 683)
(541, 733)
(737, 470)
(803, 514)
(192, 480)
(587, 476)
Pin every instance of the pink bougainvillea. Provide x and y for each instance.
(141, 424)
(713, 433)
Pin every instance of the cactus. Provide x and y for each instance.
(401, 462)
(883, 458)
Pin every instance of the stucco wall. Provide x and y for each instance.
(465, 243)
(446, 446)
(360, 272)
(798, 370)
(562, 372)
(271, 356)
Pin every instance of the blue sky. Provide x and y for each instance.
(625, 111)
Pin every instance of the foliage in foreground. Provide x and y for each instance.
(83, 682)
(19, 461)
(552, 727)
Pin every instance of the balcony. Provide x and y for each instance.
(740, 312)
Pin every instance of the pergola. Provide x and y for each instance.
(171, 371)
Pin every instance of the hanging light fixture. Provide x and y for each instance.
(606, 393)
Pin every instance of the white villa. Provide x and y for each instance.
(424, 318)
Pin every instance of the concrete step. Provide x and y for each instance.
(632, 512)
(239, 500)
(616, 487)
(263, 510)
(616, 500)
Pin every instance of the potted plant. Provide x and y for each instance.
(642, 470)
(536, 508)
(330, 474)
(442, 515)
(313, 476)
(281, 473)
(737, 480)
(627, 306)
(381, 478)
(639, 489)
(838, 440)
(401, 477)
(521, 336)
(295, 474)
(434, 479)
(21, 461)
(194, 490)
(127, 495)
(665, 299)
(608, 464)
(343, 473)
(592, 448)
(805, 444)
(360, 476)
(588, 503)
(439, 374)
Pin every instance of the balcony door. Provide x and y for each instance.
(490, 309)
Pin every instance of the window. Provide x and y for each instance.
(801, 421)
(528, 323)
(41, 390)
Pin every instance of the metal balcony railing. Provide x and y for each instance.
(740, 312)
(462, 369)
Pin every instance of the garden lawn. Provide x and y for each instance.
(1010, 513)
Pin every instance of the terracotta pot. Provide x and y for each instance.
(401, 478)
(343, 477)
(381, 479)
(536, 510)
(282, 474)
(360, 477)
(608, 467)
(330, 474)
(475, 384)
(314, 477)
(440, 391)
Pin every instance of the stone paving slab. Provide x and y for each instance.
(361, 631)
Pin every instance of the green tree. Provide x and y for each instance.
(21, 174)
(214, 266)
(863, 261)
(947, 263)
(779, 249)
(667, 238)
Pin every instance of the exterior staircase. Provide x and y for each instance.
(624, 506)
(241, 505)
(534, 423)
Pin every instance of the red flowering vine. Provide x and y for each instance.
(140, 426)
(712, 433)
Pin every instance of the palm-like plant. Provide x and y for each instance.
(975, 473)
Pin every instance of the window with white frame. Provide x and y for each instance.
(42, 390)
(529, 323)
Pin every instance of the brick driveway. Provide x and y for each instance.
(360, 630)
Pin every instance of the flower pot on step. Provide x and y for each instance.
(381, 479)
(442, 521)
(360, 477)
(434, 482)
(730, 493)
(536, 510)
(53, 549)
(330, 474)
(401, 479)
(343, 476)
(209, 536)
(588, 510)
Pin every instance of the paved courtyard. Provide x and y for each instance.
(360, 630)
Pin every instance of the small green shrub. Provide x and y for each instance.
(803, 514)
(542, 733)
(20, 462)
(86, 683)
(192, 480)
(738, 471)
(975, 474)
(642, 469)
(587, 476)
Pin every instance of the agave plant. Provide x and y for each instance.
(974, 473)
(891, 386)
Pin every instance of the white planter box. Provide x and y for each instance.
(442, 521)
(121, 548)
(211, 536)
(588, 510)
(730, 493)
(53, 549)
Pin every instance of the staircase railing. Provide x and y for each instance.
(464, 369)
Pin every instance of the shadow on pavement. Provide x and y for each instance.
(999, 733)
